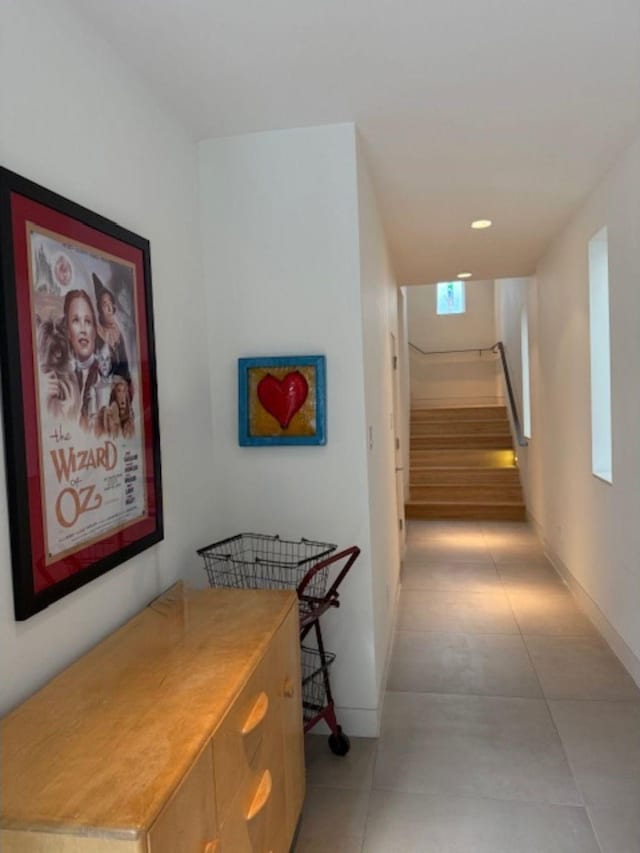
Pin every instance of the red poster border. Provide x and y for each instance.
(36, 583)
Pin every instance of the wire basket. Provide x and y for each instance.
(258, 561)
(314, 673)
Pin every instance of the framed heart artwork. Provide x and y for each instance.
(282, 400)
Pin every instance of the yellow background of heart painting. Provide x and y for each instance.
(262, 424)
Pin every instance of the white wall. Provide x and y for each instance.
(512, 295)
(294, 262)
(432, 331)
(510, 299)
(452, 378)
(76, 120)
(379, 321)
(280, 237)
(590, 526)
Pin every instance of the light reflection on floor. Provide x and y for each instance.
(508, 725)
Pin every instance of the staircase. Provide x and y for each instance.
(463, 465)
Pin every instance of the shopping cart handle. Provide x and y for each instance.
(349, 554)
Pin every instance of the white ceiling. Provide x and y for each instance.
(505, 109)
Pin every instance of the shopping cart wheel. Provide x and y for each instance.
(339, 743)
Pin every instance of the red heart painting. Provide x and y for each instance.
(282, 398)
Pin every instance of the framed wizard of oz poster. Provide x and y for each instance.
(282, 400)
(78, 392)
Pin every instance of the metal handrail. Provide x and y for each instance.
(520, 437)
(451, 351)
(498, 348)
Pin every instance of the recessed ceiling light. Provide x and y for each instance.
(464, 275)
(479, 224)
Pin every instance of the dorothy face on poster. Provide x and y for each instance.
(87, 364)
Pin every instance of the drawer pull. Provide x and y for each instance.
(257, 715)
(289, 688)
(261, 796)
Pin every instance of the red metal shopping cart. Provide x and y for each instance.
(315, 571)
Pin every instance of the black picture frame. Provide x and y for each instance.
(82, 443)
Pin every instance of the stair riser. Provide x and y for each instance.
(464, 476)
(462, 458)
(473, 442)
(467, 493)
(461, 428)
(462, 466)
(489, 413)
(478, 512)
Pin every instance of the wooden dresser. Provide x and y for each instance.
(179, 733)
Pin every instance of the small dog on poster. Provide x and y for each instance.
(59, 384)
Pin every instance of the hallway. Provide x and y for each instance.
(508, 725)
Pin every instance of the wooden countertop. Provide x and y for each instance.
(147, 698)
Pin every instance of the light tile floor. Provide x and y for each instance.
(508, 724)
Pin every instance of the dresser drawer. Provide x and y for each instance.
(187, 823)
(256, 819)
(250, 727)
(287, 645)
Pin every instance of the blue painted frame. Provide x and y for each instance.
(245, 439)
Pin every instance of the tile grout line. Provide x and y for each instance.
(553, 722)
(368, 812)
(470, 694)
(542, 696)
(466, 796)
(384, 693)
(573, 774)
(520, 634)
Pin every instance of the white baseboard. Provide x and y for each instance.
(356, 722)
(618, 645)
(387, 661)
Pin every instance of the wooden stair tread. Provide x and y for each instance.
(462, 465)
(459, 412)
(449, 465)
(490, 492)
(454, 443)
(477, 512)
(471, 478)
(448, 430)
(462, 468)
(463, 503)
(466, 421)
(503, 433)
(494, 419)
(468, 442)
(462, 442)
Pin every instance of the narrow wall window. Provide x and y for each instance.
(601, 454)
(526, 381)
(450, 297)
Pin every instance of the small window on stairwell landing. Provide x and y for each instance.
(526, 381)
(450, 297)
